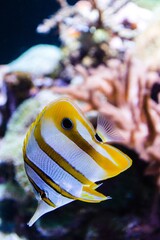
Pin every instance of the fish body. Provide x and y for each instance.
(64, 157)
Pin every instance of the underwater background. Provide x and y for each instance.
(19, 20)
(104, 55)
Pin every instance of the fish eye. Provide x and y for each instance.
(98, 138)
(67, 124)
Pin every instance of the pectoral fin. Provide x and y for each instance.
(107, 131)
(91, 195)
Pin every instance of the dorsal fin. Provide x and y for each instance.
(107, 131)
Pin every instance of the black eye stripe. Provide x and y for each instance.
(67, 124)
(98, 138)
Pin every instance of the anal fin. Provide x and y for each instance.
(91, 195)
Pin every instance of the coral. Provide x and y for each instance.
(94, 31)
(16, 87)
(12, 236)
(149, 42)
(38, 60)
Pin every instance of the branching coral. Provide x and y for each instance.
(93, 31)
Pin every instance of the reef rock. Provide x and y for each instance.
(39, 60)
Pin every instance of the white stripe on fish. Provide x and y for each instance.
(77, 158)
(52, 169)
(84, 133)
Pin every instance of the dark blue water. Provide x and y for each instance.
(18, 22)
